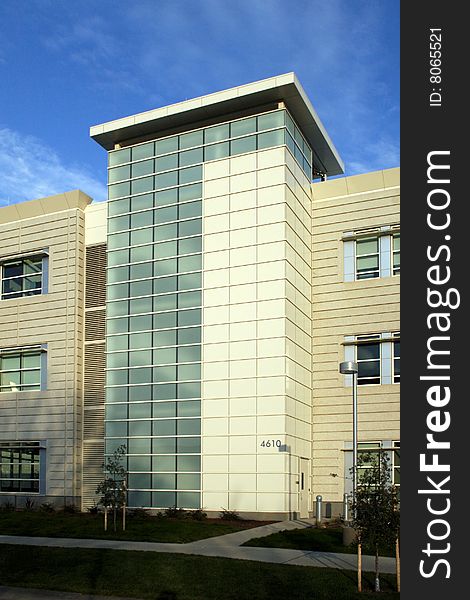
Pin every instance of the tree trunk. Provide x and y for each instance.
(124, 517)
(359, 568)
(114, 518)
(106, 518)
(397, 555)
(377, 580)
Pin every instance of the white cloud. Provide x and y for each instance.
(30, 170)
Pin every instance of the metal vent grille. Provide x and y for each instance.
(95, 325)
(93, 457)
(94, 377)
(95, 270)
(93, 423)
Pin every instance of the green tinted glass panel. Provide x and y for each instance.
(163, 499)
(167, 266)
(246, 144)
(119, 157)
(216, 151)
(140, 271)
(165, 284)
(190, 335)
(119, 174)
(191, 157)
(166, 232)
(140, 340)
(163, 215)
(118, 224)
(188, 426)
(188, 445)
(189, 408)
(164, 445)
(243, 127)
(189, 481)
(166, 180)
(270, 139)
(141, 288)
(164, 481)
(117, 207)
(116, 411)
(166, 197)
(189, 353)
(142, 219)
(190, 175)
(142, 202)
(164, 409)
(166, 145)
(142, 236)
(187, 282)
(164, 427)
(164, 356)
(140, 392)
(141, 254)
(166, 163)
(189, 463)
(190, 246)
(217, 133)
(190, 209)
(189, 372)
(146, 167)
(190, 192)
(143, 151)
(140, 358)
(139, 427)
(188, 299)
(190, 263)
(118, 240)
(166, 302)
(142, 185)
(193, 227)
(271, 120)
(118, 257)
(188, 140)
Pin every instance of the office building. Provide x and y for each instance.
(199, 315)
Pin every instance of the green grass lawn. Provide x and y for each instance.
(177, 577)
(85, 525)
(329, 539)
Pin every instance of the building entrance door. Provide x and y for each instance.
(303, 488)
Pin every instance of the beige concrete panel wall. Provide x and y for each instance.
(342, 309)
(55, 319)
(256, 344)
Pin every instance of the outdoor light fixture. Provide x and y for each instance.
(351, 368)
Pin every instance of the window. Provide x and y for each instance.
(20, 467)
(396, 358)
(368, 359)
(396, 463)
(367, 258)
(371, 253)
(396, 253)
(377, 356)
(24, 276)
(22, 369)
(370, 454)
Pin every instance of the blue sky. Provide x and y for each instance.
(67, 65)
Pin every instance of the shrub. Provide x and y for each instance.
(197, 515)
(175, 513)
(7, 506)
(93, 510)
(71, 509)
(229, 515)
(29, 504)
(47, 507)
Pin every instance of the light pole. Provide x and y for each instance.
(351, 368)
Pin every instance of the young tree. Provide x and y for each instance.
(376, 515)
(112, 489)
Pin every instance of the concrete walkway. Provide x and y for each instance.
(225, 546)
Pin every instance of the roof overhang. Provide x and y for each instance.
(283, 88)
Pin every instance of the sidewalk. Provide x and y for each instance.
(226, 546)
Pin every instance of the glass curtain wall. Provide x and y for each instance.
(154, 293)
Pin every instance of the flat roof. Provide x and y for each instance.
(284, 88)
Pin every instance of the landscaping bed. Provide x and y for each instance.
(139, 527)
(321, 539)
